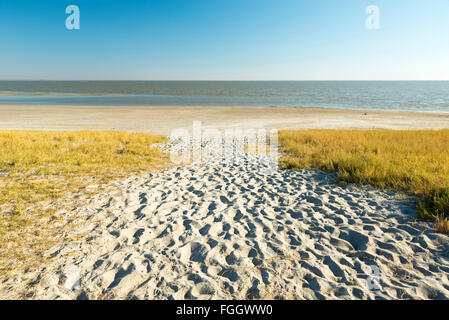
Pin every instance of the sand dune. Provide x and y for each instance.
(225, 231)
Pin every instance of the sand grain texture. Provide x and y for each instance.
(228, 231)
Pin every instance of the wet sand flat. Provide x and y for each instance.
(164, 119)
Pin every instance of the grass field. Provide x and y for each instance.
(412, 161)
(40, 166)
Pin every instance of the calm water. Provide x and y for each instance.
(387, 95)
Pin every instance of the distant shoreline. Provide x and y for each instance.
(196, 106)
(164, 119)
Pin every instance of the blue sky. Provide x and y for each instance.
(225, 40)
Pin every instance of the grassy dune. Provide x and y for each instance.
(412, 161)
(40, 166)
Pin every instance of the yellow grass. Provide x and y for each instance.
(442, 224)
(414, 161)
(38, 167)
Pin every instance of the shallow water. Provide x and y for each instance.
(366, 95)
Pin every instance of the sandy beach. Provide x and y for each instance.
(245, 152)
(162, 120)
(229, 231)
(226, 231)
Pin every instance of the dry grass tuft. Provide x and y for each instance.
(442, 224)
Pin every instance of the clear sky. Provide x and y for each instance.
(224, 40)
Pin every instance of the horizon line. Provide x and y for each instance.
(218, 80)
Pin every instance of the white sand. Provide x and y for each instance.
(227, 231)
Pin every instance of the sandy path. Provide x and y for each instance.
(162, 120)
(228, 231)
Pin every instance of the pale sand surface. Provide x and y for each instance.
(162, 120)
(211, 231)
(227, 231)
